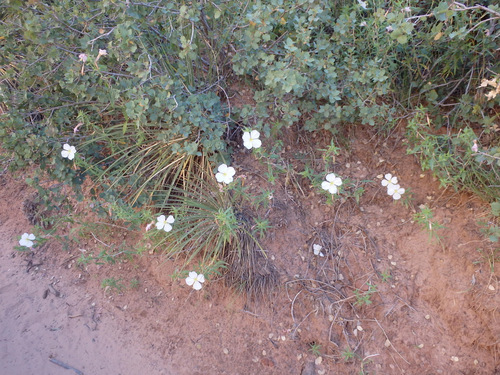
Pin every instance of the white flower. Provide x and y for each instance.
(165, 224)
(225, 174)
(389, 179)
(68, 151)
(102, 52)
(27, 240)
(407, 9)
(251, 139)
(389, 28)
(396, 191)
(474, 147)
(82, 57)
(331, 183)
(317, 250)
(363, 24)
(195, 280)
(362, 4)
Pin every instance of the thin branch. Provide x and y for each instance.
(101, 36)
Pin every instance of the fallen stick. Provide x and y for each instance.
(64, 365)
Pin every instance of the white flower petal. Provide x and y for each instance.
(325, 185)
(246, 136)
(170, 219)
(201, 278)
(256, 143)
(167, 227)
(337, 181)
(248, 144)
(222, 168)
(230, 171)
(31, 236)
(254, 134)
(333, 189)
(196, 285)
(193, 274)
(391, 189)
(219, 177)
(189, 281)
(330, 177)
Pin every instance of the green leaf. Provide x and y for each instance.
(442, 11)
(495, 208)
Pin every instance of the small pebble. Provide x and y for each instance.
(318, 361)
(225, 351)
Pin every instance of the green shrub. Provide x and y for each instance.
(321, 64)
(138, 114)
(451, 157)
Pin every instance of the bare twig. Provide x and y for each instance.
(486, 9)
(303, 320)
(100, 36)
(97, 239)
(64, 365)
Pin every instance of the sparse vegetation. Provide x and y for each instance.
(137, 112)
(424, 218)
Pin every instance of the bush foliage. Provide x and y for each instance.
(141, 89)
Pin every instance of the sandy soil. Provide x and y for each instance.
(70, 324)
(434, 309)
